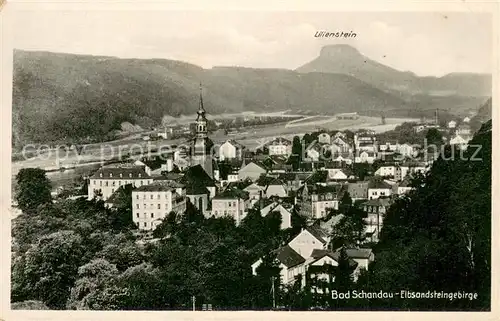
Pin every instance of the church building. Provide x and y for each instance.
(201, 145)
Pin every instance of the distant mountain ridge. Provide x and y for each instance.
(61, 97)
(345, 59)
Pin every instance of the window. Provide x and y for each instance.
(142, 183)
(121, 175)
(137, 215)
(158, 196)
(152, 215)
(151, 196)
(119, 183)
(229, 204)
(100, 183)
(110, 174)
(94, 182)
(145, 224)
(137, 206)
(139, 175)
(113, 183)
(159, 206)
(106, 183)
(112, 190)
(100, 175)
(130, 175)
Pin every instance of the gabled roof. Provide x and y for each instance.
(121, 171)
(280, 141)
(359, 253)
(289, 257)
(318, 254)
(255, 163)
(196, 189)
(318, 233)
(234, 143)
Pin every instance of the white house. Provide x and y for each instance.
(230, 149)
(466, 119)
(280, 146)
(152, 203)
(324, 138)
(336, 174)
(291, 264)
(452, 124)
(342, 142)
(365, 157)
(378, 188)
(406, 150)
(255, 192)
(460, 141)
(309, 239)
(108, 179)
(386, 171)
(233, 203)
(404, 187)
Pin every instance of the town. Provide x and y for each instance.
(327, 192)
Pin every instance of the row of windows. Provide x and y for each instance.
(145, 206)
(146, 215)
(120, 183)
(225, 204)
(151, 196)
(121, 175)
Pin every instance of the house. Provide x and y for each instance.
(406, 150)
(108, 179)
(277, 164)
(225, 173)
(314, 152)
(341, 141)
(343, 158)
(231, 202)
(388, 146)
(466, 119)
(310, 238)
(324, 138)
(230, 149)
(419, 128)
(291, 264)
(358, 190)
(463, 130)
(152, 203)
(340, 134)
(252, 170)
(452, 124)
(460, 141)
(276, 188)
(336, 174)
(318, 200)
(286, 213)
(363, 142)
(386, 171)
(365, 156)
(376, 210)
(363, 257)
(378, 188)
(255, 192)
(280, 146)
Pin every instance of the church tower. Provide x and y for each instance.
(201, 149)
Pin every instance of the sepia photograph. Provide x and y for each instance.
(198, 160)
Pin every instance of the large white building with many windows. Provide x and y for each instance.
(152, 203)
(108, 179)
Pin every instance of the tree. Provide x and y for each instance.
(349, 230)
(345, 203)
(32, 189)
(343, 276)
(50, 268)
(96, 287)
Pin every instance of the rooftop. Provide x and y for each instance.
(121, 171)
(289, 257)
(160, 186)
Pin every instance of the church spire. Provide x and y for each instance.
(201, 108)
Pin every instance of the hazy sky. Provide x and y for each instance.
(425, 43)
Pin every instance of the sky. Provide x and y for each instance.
(426, 43)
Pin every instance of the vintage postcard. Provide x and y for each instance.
(267, 160)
